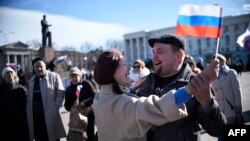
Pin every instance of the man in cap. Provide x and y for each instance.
(170, 72)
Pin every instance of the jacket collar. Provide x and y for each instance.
(226, 68)
(45, 76)
(147, 86)
(224, 71)
(106, 89)
(185, 74)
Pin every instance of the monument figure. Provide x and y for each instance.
(46, 34)
(46, 50)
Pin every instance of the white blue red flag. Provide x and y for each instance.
(78, 89)
(244, 39)
(62, 58)
(199, 21)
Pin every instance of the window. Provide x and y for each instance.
(199, 46)
(246, 26)
(225, 29)
(227, 40)
(208, 44)
(190, 46)
(236, 38)
(236, 27)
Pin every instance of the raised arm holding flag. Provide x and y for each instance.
(200, 21)
(171, 72)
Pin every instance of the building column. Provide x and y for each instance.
(145, 47)
(22, 62)
(138, 48)
(8, 58)
(131, 49)
(15, 59)
(127, 49)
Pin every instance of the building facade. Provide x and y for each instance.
(136, 44)
(17, 55)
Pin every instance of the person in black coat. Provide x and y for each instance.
(13, 116)
(85, 99)
(21, 76)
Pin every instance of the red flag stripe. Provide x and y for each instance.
(198, 31)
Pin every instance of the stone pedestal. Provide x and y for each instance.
(47, 53)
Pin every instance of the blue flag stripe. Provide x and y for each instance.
(199, 21)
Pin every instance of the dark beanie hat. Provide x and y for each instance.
(36, 60)
(106, 66)
(168, 39)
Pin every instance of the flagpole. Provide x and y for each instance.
(218, 39)
(217, 47)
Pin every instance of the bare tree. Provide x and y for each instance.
(86, 47)
(113, 43)
(35, 44)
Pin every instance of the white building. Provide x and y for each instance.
(136, 44)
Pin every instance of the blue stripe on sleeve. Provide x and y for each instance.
(199, 21)
(181, 96)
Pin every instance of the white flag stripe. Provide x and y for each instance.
(206, 10)
(241, 39)
(62, 57)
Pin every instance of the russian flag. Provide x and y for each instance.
(62, 58)
(199, 21)
(244, 39)
(78, 89)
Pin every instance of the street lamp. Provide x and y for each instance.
(5, 36)
(85, 59)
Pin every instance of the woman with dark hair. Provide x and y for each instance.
(125, 117)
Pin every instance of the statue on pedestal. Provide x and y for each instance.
(46, 51)
(46, 34)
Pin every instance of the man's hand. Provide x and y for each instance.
(201, 90)
(209, 73)
(212, 70)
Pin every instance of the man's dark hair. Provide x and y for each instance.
(36, 60)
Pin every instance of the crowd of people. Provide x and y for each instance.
(174, 102)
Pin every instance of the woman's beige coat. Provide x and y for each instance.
(52, 92)
(127, 118)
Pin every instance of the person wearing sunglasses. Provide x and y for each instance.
(190, 61)
(137, 74)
